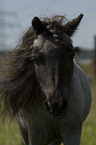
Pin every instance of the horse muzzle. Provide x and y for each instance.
(56, 107)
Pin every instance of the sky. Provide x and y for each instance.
(18, 15)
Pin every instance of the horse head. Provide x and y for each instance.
(53, 55)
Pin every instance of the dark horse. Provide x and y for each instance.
(44, 89)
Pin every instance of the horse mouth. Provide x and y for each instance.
(58, 116)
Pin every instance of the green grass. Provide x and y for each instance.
(9, 135)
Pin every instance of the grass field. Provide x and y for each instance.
(10, 135)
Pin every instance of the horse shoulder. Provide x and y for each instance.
(84, 84)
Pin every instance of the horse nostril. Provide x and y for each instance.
(48, 106)
(65, 104)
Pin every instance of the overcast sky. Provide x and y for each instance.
(24, 10)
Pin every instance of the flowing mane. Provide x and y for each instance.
(20, 87)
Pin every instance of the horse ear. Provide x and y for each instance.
(71, 26)
(38, 26)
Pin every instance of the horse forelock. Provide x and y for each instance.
(20, 87)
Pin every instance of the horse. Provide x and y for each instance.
(44, 89)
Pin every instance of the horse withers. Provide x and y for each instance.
(44, 89)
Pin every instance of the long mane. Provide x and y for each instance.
(20, 87)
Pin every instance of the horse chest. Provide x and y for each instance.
(41, 120)
(40, 124)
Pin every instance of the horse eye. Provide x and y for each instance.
(39, 59)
